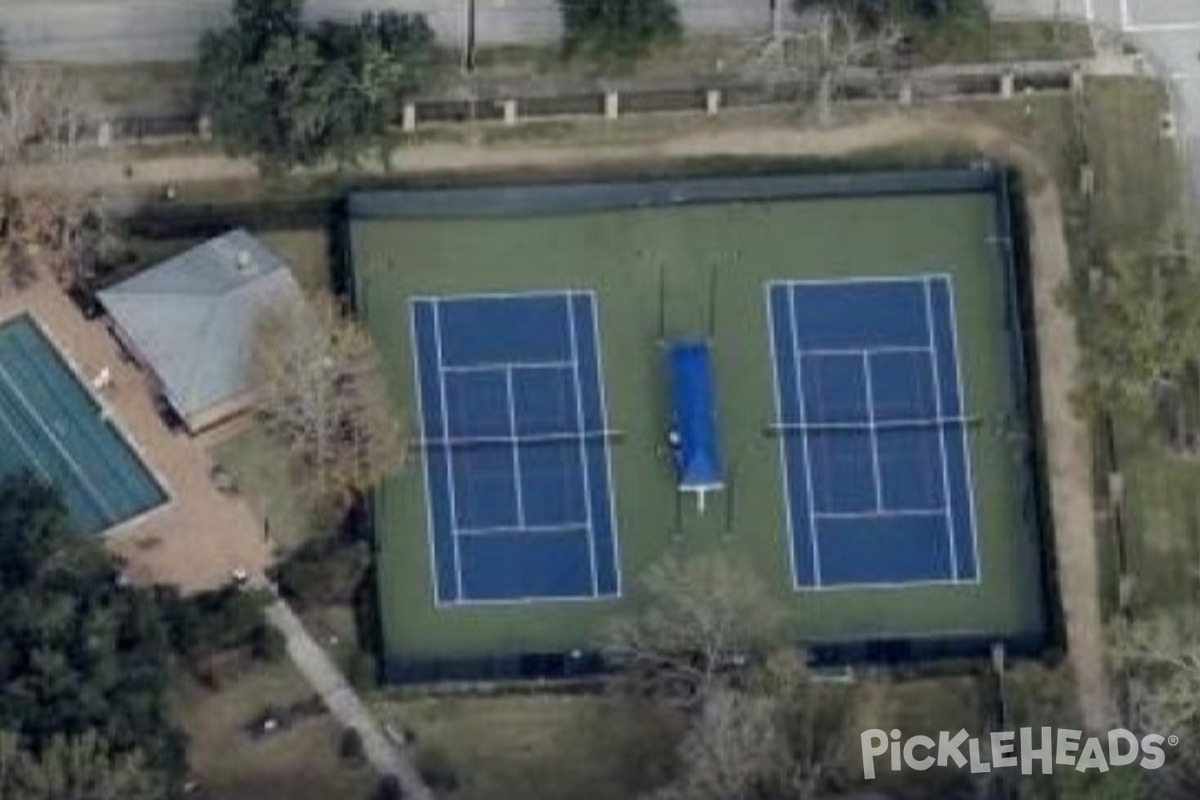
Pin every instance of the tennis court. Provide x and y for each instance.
(854, 287)
(515, 444)
(50, 424)
(872, 432)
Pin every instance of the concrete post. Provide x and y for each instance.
(1007, 82)
(906, 93)
(612, 105)
(1077, 80)
(510, 112)
(204, 128)
(713, 101)
(104, 134)
(409, 123)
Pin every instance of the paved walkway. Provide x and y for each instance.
(343, 702)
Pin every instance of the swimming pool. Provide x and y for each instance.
(51, 425)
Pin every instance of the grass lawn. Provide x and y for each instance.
(259, 465)
(306, 251)
(539, 747)
(300, 762)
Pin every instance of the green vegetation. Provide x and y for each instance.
(617, 30)
(539, 747)
(84, 656)
(231, 760)
(619, 254)
(291, 95)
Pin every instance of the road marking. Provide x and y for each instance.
(1162, 27)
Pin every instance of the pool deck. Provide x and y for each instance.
(199, 537)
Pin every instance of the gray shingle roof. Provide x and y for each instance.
(192, 318)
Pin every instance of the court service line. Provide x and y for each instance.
(812, 499)
(882, 513)
(866, 363)
(831, 352)
(499, 530)
(573, 339)
(498, 366)
(516, 447)
(58, 445)
(937, 404)
(430, 534)
(437, 342)
(768, 291)
(964, 441)
(614, 539)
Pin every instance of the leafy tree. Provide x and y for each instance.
(618, 30)
(83, 767)
(290, 95)
(83, 655)
(322, 395)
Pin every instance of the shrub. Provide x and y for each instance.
(350, 748)
(267, 643)
(437, 770)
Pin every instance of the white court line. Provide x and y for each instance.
(497, 366)
(493, 530)
(832, 352)
(768, 290)
(937, 404)
(583, 462)
(812, 498)
(866, 363)
(916, 278)
(429, 516)
(450, 299)
(612, 487)
(883, 513)
(516, 449)
(963, 439)
(437, 341)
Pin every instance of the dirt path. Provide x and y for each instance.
(1068, 439)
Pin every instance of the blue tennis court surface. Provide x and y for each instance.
(873, 432)
(515, 441)
(50, 424)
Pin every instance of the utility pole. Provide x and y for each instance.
(469, 49)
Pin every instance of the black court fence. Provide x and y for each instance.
(1012, 251)
(914, 653)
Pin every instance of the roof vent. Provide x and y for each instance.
(244, 262)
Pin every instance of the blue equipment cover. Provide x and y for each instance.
(694, 418)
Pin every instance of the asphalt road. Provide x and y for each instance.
(97, 31)
(1167, 31)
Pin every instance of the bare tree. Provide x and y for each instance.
(1161, 657)
(322, 395)
(702, 617)
(42, 115)
(827, 42)
(734, 750)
